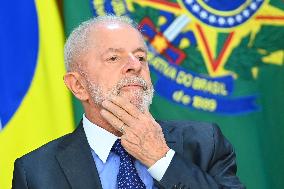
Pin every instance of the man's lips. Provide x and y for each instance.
(132, 83)
(132, 86)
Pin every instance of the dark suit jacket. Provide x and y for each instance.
(203, 159)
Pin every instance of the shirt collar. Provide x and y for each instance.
(99, 139)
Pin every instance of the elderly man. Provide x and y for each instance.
(118, 144)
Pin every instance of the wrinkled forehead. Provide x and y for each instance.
(116, 35)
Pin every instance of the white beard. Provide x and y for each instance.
(141, 98)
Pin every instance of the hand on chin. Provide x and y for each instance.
(133, 94)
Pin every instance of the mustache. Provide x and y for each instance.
(133, 80)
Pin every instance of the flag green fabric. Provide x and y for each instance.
(73, 14)
(216, 62)
(35, 106)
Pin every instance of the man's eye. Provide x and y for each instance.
(113, 58)
(141, 58)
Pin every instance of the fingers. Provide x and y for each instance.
(126, 105)
(118, 112)
(114, 121)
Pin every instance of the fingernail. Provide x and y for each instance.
(104, 103)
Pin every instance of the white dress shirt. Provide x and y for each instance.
(101, 142)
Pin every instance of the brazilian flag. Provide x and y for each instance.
(35, 106)
(216, 61)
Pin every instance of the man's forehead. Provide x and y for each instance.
(115, 36)
(123, 50)
(112, 26)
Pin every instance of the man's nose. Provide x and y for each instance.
(132, 65)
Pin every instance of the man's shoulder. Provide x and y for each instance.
(192, 131)
(47, 150)
(188, 124)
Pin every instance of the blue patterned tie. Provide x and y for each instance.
(127, 176)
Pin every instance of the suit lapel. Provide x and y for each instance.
(76, 161)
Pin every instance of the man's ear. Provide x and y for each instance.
(74, 82)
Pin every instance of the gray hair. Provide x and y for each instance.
(77, 41)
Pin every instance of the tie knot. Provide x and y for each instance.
(118, 149)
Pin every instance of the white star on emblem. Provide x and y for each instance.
(253, 6)
(203, 14)
(246, 13)
(221, 21)
(239, 18)
(196, 8)
(189, 1)
(230, 21)
(212, 19)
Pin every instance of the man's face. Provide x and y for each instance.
(116, 64)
